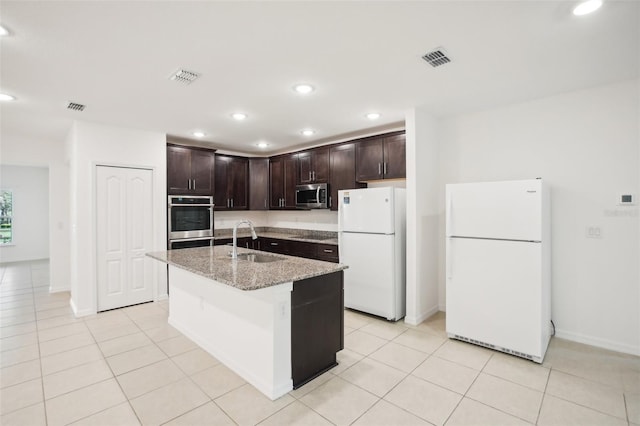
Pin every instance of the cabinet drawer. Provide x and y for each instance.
(327, 252)
(275, 245)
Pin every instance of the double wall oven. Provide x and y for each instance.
(190, 221)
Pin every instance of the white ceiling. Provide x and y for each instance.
(116, 58)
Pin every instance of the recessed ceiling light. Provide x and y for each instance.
(373, 115)
(239, 116)
(199, 134)
(4, 97)
(587, 7)
(303, 89)
(308, 132)
(262, 144)
(3, 31)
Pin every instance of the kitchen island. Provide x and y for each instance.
(275, 320)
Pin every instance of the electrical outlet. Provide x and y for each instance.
(593, 232)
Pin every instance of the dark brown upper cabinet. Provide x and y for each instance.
(283, 170)
(313, 166)
(231, 183)
(381, 158)
(342, 171)
(258, 183)
(190, 170)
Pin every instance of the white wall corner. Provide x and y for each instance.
(422, 215)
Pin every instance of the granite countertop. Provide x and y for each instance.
(214, 263)
(321, 237)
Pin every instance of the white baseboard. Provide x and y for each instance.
(601, 343)
(415, 320)
(82, 313)
(162, 297)
(58, 289)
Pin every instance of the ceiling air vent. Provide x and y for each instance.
(184, 76)
(436, 57)
(75, 106)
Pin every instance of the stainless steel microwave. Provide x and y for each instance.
(312, 196)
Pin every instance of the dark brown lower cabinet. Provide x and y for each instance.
(317, 326)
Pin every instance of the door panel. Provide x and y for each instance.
(395, 157)
(504, 210)
(494, 292)
(369, 155)
(368, 282)
(367, 210)
(140, 232)
(124, 223)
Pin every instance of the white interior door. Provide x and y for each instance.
(124, 235)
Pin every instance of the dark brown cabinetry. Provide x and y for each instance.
(275, 245)
(190, 170)
(313, 166)
(381, 158)
(317, 251)
(317, 325)
(282, 179)
(343, 171)
(231, 183)
(258, 183)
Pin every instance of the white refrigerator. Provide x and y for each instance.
(498, 291)
(371, 238)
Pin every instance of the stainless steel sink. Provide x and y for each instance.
(258, 258)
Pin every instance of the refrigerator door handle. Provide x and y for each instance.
(449, 213)
(449, 259)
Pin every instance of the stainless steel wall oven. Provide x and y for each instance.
(190, 221)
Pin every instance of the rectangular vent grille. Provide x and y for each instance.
(184, 76)
(494, 347)
(436, 58)
(73, 106)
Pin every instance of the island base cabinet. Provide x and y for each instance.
(317, 326)
(248, 331)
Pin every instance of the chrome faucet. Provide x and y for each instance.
(234, 252)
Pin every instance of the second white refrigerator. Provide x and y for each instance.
(498, 266)
(371, 225)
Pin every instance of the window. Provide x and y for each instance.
(6, 216)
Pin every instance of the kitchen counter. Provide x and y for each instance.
(215, 263)
(277, 324)
(321, 237)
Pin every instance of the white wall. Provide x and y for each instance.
(30, 189)
(585, 145)
(50, 154)
(90, 145)
(422, 216)
(317, 220)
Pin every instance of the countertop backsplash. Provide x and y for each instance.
(314, 220)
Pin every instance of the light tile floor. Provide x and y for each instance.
(129, 367)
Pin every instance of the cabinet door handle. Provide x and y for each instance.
(265, 203)
(310, 178)
(328, 251)
(379, 168)
(232, 203)
(189, 183)
(194, 184)
(385, 168)
(228, 205)
(330, 202)
(274, 244)
(314, 176)
(247, 244)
